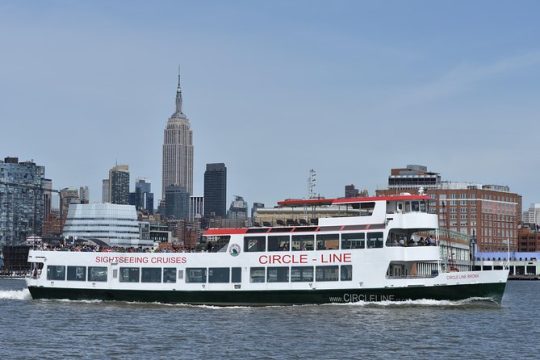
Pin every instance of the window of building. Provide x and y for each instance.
(327, 273)
(97, 273)
(279, 243)
(328, 242)
(76, 273)
(254, 243)
(303, 242)
(151, 275)
(277, 274)
(346, 272)
(302, 273)
(195, 275)
(218, 275)
(56, 272)
(374, 240)
(353, 241)
(169, 275)
(256, 275)
(129, 274)
(236, 274)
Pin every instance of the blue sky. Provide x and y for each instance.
(273, 89)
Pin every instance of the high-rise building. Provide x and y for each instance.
(119, 184)
(142, 198)
(22, 202)
(68, 196)
(488, 213)
(351, 191)
(178, 149)
(47, 197)
(176, 202)
(255, 207)
(532, 215)
(105, 191)
(238, 209)
(84, 194)
(215, 190)
(196, 207)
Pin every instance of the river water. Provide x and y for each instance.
(52, 329)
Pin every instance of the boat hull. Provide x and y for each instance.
(491, 291)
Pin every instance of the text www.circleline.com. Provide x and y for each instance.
(346, 298)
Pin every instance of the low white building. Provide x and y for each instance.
(116, 225)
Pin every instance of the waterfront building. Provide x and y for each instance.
(109, 224)
(215, 190)
(142, 198)
(105, 191)
(351, 191)
(238, 209)
(529, 238)
(196, 207)
(47, 197)
(22, 200)
(178, 149)
(119, 184)
(488, 213)
(176, 202)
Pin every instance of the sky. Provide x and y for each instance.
(273, 89)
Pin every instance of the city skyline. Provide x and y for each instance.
(350, 91)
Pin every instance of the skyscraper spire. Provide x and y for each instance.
(179, 95)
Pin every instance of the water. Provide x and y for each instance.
(50, 329)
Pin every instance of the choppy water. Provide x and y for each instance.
(418, 329)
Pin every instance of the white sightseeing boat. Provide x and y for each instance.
(364, 253)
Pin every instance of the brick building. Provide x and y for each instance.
(489, 213)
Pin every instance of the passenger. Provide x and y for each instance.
(411, 242)
(421, 242)
(401, 242)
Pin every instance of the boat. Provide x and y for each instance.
(366, 249)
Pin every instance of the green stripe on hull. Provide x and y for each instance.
(277, 297)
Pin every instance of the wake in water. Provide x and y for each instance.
(476, 301)
(23, 294)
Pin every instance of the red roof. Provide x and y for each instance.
(315, 202)
(224, 231)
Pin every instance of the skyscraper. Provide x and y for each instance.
(22, 202)
(215, 190)
(178, 149)
(142, 198)
(119, 184)
(177, 202)
(105, 194)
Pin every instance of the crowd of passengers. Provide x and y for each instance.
(97, 248)
(428, 241)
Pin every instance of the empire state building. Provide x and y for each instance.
(178, 149)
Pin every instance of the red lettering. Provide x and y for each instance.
(347, 257)
(276, 259)
(263, 259)
(303, 259)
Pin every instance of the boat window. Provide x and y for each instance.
(56, 272)
(76, 273)
(328, 242)
(407, 206)
(415, 206)
(129, 274)
(278, 274)
(327, 273)
(236, 275)
(151, 275)
(375, 240)
(353, 241)
(169, 275)
(279, 243)
(256, 275)
(301, 273)
(346, 272)
(303, 242)
(196, 275)
(218, 275)
(423, 207)
(366, 208)
(97, 273)
(254, 243)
